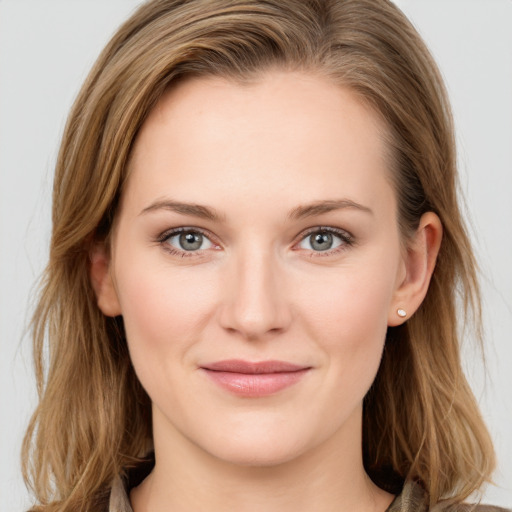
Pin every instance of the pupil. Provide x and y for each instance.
(322, 241)
(191, 241)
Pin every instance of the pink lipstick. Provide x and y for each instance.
(248, 379)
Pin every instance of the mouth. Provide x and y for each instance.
(254, 379)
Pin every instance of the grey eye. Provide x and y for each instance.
(321, 241)
(189, 241)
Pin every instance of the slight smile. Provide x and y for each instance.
(254, 379)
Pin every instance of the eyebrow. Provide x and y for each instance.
(190, 209)
(300, 212)
(320, 207)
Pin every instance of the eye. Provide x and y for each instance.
(325, 239)
(188, 240)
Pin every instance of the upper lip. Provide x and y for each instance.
(259, 367)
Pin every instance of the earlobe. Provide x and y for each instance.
(420, 261)
(102, 282)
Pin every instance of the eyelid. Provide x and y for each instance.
(169, 233)
(346, 237)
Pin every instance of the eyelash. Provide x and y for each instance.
(167, 235)
(347, 240)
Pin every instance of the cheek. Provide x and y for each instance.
(347, 312)
(350, 305)
(164, 310)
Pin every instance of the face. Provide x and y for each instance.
(257, 263)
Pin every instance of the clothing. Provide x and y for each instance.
(412, 498)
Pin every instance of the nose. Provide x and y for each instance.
(255, 302)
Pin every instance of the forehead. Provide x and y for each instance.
(288, 130)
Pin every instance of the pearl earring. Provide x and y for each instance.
(401, 313)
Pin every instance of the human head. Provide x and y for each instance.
(366, 46)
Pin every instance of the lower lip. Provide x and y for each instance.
(255, 385)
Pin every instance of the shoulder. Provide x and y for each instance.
(122, 484)
(473, 508)
(119, 501)
(413, 498)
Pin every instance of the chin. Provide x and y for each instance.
(254, 454)
(263, 446)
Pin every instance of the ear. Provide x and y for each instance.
(419, 262)
(102, 282)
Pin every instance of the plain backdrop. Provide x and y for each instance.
(46, 50)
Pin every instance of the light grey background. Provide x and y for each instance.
(46, 49)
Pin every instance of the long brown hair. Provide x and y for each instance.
(421, 420)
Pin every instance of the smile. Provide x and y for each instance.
(253, 380)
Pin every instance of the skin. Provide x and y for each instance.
(255, 155)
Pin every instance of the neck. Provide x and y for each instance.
(328, 477)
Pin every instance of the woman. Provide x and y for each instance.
(255, 257)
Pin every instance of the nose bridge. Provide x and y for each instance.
(255, 302)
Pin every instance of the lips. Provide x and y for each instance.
(254, 379)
